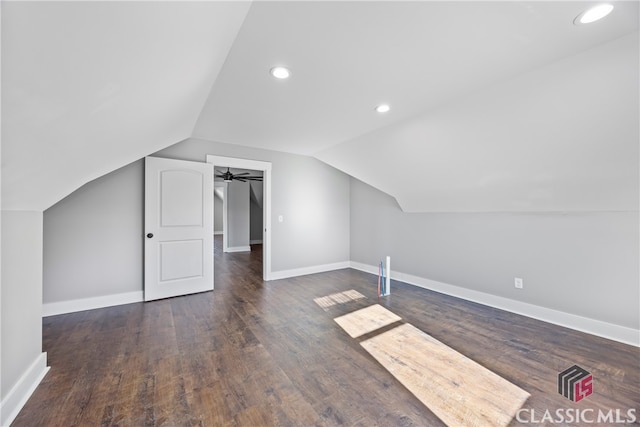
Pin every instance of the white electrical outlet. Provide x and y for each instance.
(519, 283)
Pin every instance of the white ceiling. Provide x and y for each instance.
(560, 138)
(90, 86)
(347, 57)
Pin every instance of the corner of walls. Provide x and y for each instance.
(580, 270)
(23, 363)
(93, 244)
(286, 274)
(17, 397)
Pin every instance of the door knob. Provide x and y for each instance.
(150, 235)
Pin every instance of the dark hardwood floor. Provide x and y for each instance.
(254, 353)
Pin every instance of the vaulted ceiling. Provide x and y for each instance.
(88, 87)
(495, 106)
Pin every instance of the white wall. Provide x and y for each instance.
(585, 264)
(93, 239)
(237, 232)
(22, 362)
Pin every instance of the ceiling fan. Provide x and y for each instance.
(228, 176)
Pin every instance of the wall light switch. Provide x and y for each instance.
(519, 283)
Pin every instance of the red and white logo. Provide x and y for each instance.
(575, 383)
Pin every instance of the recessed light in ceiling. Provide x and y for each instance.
(280, 72)
(382, 108)
(593, 14)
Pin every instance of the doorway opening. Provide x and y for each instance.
(238, 208)
(220, 162)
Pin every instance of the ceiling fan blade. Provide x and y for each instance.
(239, 179)
(243, 173)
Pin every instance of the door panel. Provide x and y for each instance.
(181, 260)
(178, 228)
(181, 198)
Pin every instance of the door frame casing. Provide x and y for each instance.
(265, 167)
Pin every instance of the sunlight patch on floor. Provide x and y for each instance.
(338, 298)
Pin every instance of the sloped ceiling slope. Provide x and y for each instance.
(562, 138)
(495, 106)
(491, 107)
(88, 87)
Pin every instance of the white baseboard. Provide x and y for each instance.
(21, 392)
(218, 233)
(255, 242)
(63, 307)
(285, 274)
(239, 249)
(366, 268)
(583, 324)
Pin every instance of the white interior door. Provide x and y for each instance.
(178, 248)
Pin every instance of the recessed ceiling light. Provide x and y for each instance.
(382, 108)
(593, 14)
(280, 72)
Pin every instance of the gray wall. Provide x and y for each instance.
(93, 239)
(217, 214)
(585, 264)
(21, 310)
(312, 197)
(255, 226)
(256, 211)
(237, 232)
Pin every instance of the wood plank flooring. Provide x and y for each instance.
(254, 353)
(458, 390)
